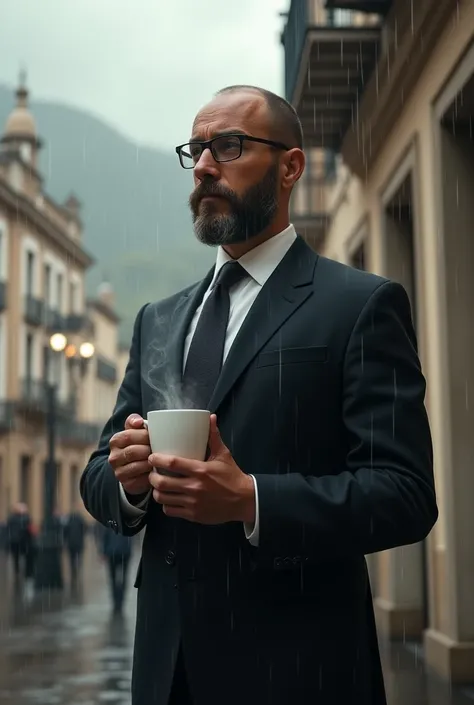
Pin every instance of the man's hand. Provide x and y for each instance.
(215, 491)
(129, 452)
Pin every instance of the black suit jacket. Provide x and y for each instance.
(322, 399)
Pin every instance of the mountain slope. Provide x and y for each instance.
(135, 212)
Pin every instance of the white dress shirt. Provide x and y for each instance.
(259, 263)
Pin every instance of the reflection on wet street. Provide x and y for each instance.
(66, 649)
(70, 650)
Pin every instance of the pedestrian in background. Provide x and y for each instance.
(20, 541)
(74, 539)
(116, 551)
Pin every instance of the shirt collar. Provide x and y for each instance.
(261, 261)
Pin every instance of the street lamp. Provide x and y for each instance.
(48, 575)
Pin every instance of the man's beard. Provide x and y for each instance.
(248, 215)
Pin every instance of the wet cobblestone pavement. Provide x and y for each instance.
(66, 649)
(69, 650)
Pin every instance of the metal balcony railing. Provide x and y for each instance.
(54, 321)
(34, 310)
(78, 433)
(34, 398)
(106, 370)
(74, 323)
(7, 416)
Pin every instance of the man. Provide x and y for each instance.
(74, 537)
(252, 586)
(20, 541)
(116, 551)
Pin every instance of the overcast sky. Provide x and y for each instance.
(146, 66)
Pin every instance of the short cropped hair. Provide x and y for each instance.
(284, 118)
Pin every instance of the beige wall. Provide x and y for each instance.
(444, 292)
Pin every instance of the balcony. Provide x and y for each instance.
(7, 416)
(33, 400)
(34, 310)
(106, 371)
(308, 207)
(3, 295)
(410, 33)
(74, 323)
(379, 7)
(54, 321)
(326, 69)
(78, 433)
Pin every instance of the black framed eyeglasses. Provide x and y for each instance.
(224, 148)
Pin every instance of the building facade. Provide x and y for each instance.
(42, 293)
(385, 91)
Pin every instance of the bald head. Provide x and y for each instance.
(282, 117)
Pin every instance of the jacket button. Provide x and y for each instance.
(170, 557)
(278, 563)
(113, 524)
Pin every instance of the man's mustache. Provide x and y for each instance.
(210, 189)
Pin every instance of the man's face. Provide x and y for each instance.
(237, 200)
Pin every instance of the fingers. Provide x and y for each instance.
(122, 439)
(164, 483)
(172, 500)
(182, 466)
(132, 471)
(134, 421)
(130, 463)
(124, 456)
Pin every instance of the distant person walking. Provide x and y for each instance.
(117, 550)
(20, 541)
(74, 540)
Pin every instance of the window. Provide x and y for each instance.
(73, 308)
(47, 284)
(30, 272)
(25, 479)
(2, 254)
(59, 291)
(26, 152)
(3, 492)
(29, 356)
(3, 361)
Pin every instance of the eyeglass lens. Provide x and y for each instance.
(224, 149)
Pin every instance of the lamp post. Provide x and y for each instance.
(48, 575)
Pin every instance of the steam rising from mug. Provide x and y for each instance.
(157, 375)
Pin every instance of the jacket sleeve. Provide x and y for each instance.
(384, 495)
(98, 486)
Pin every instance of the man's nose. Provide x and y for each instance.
(206, 166)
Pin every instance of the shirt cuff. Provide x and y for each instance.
(252, 531)
(133, 512)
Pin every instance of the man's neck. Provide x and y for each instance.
(237, 250)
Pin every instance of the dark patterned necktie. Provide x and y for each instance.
(206, 352)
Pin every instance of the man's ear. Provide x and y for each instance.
(293, 166)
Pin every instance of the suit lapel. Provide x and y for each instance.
(285, 291)
(179, 325)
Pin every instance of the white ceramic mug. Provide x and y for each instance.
(181, 432)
